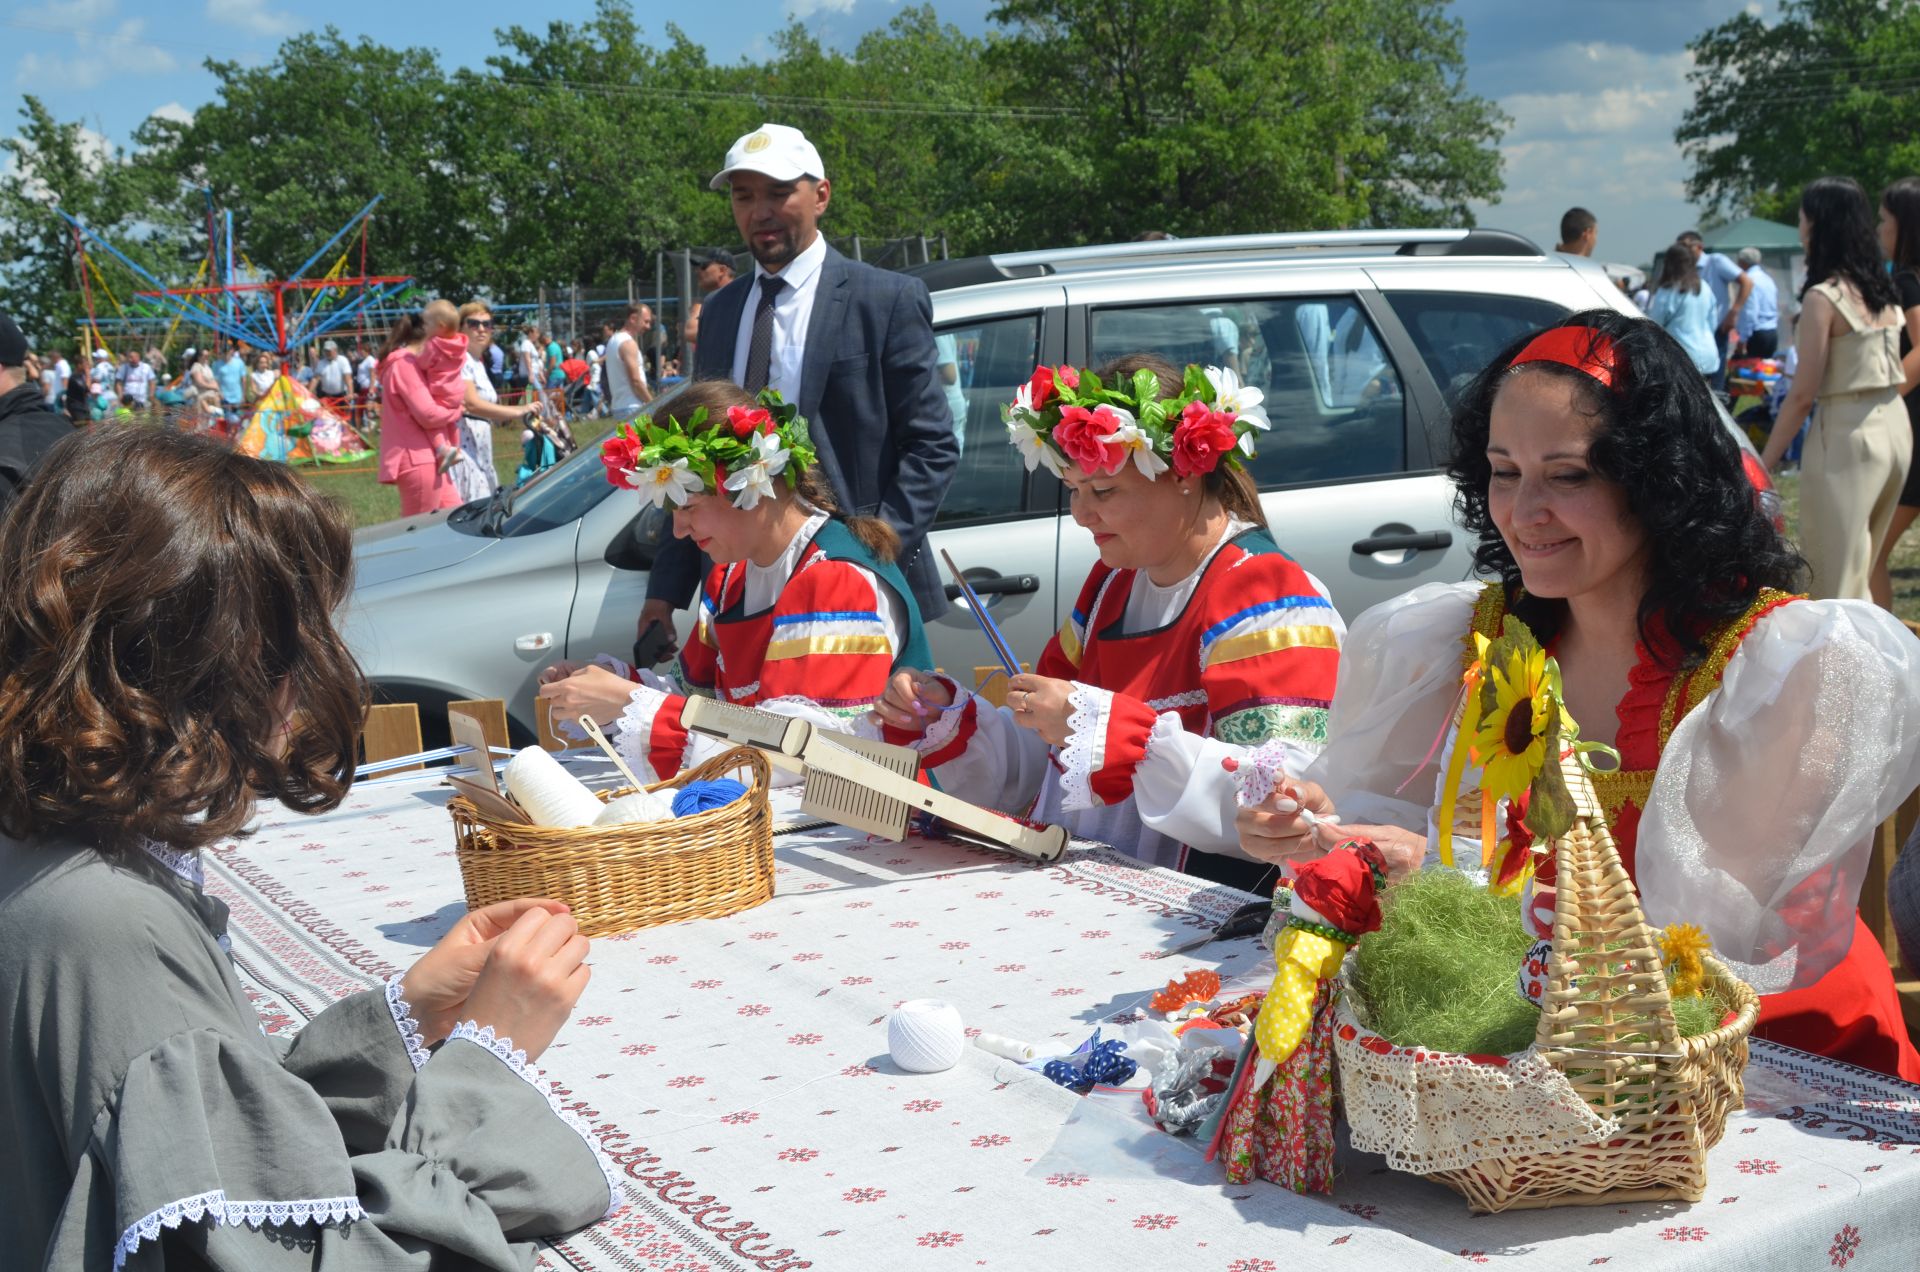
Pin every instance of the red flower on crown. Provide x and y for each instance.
(1043, 388)
(1201, 438)
(1078, 436)
(748, 420)
(620, 452)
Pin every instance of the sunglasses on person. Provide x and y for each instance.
(478, 324)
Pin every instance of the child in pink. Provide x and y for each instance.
(422, 396)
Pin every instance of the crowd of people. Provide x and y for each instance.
(169, 654)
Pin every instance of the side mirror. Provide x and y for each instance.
(640, 539)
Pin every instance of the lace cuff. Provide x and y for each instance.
(504, 1051)
(1086, 748)
(637, 740)
(404, 1022)
(213, 1207)
(946, 725)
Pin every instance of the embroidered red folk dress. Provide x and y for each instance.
(1249, 654)
(1853, 1012)
(822, 648)
(1750, 790)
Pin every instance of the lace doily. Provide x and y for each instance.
(1428, 1111)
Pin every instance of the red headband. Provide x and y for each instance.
(1585, 349)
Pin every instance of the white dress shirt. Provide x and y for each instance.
(792, 311)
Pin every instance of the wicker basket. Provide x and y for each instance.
(1607, 1026)
(620, 878)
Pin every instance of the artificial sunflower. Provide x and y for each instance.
(1511, 743)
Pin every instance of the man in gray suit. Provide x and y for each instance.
(851, 346)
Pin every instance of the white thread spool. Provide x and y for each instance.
(551, 795)
(641, 806)
(1007, 1048)
(924, 1035)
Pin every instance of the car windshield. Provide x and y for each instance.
(557, 497)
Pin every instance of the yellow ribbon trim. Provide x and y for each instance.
(1253, 644)
(803, 646)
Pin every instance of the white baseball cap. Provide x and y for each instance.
(99, 354)
(780, 152)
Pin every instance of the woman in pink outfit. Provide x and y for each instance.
(421, 396)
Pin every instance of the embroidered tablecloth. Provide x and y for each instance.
(735, 1070)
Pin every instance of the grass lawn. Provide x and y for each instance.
(371, 503)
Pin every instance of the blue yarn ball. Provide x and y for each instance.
(700, 797)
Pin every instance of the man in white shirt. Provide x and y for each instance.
(627, 388)
(334, 378)
(138, 381)
(55, 371)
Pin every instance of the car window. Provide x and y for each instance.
(1458, 333)
(1332, 391)
(979, 364)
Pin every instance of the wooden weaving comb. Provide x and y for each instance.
(861, 783)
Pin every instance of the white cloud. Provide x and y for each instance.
(121, 51)
(173, 110)
(1603, 141)
(94, 147)
(251, 16)
(804, 9)
(71, 15)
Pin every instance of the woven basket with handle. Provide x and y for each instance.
(1607, 1025)
(620, 878)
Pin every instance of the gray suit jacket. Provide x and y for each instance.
(869, 392)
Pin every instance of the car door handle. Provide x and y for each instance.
(1407, 541)
(998, 585)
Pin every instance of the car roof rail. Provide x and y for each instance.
(1455, 242)
(968, 271)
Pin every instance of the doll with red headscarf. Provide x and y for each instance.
(1279, 1122)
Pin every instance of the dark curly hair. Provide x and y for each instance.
(164, 603)
(1711, 547)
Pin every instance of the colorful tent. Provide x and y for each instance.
(290, 424)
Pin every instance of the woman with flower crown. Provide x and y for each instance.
(1193, 638)
(803, 614)
(1761, 736)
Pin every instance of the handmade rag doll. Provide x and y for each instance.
(1279, 1120)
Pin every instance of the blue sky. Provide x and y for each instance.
(1594, 89)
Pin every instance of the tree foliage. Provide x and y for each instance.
(582, 149)
(1829, 87)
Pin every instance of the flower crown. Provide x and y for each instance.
(671, 462)
(1063, 415)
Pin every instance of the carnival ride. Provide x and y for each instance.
(247, 307)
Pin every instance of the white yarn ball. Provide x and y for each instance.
(924, 1035)
(641, 806)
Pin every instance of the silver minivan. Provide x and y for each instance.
(1359, 340)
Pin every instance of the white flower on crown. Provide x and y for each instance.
(664, 483)
(1033, 447)
(1241, 399)
(753, 480)
(1139, 446)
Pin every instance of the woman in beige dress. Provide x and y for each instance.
(1856, 456)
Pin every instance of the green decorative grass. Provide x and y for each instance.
(1441, 972)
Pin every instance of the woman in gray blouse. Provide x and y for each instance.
(167, 655)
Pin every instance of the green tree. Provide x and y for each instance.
(1830, 86)
(57, 164)
(1219, 116)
